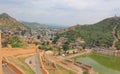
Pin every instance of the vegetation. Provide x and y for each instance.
(118, 45)
(65, 46)
(99, 34)
(36, 26)
(16, 42)
(103, 64)
(10, 23)
(103, 59)
(55, 39)
(20, 63)
(85, 72)
(26, 67)
(61, 70)
(46, 47)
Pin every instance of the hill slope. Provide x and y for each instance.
(105, 33)
(35, 26)
(7, 22)
(40, 27)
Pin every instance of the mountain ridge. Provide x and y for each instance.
(8, 22)
(98, 34)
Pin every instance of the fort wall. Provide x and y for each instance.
(0, 56)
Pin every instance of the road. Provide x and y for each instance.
(38, 69)
(7, 70)
(34, 63)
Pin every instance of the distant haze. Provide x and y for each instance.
(61, 12)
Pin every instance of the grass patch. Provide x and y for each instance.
(112, 62)
(65, 71)
(20, 63)
(85, 72)
(61, 70)
(103, 64)
(26, 67)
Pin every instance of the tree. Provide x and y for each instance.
(23, 32)
(118, 45)
(55, 39)
(16, 42)
(65, 46)
(38, 37)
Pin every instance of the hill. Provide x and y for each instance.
(57, 26)
(9, 23)
(105, 33)
(35, 26)
(68, 29)
(40, 27)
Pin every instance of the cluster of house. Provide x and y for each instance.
(29, 37)
(75, 46)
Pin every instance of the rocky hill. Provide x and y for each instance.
(9, 23)
(105, 33)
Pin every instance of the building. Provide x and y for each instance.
(0, 55)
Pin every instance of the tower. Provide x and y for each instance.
(0, 55)
(0, 40)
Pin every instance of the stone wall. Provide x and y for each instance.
(16, 51)
(107, 51)
(11, 66)
(41, 54)
(9, 51)
(0, 62)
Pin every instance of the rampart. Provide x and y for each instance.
(107, 52)
(17, 71)
(9, 51)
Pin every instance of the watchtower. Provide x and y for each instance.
(0, 55)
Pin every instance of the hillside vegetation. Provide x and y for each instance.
(100, 63)
(8, 23)
(105, 33)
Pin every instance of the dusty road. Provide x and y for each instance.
(34, 63)
(37, 61)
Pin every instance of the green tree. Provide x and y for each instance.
(65, 46)
(16, 42)
(118, 45)
(55, 38)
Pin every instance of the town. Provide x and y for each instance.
(59, 37)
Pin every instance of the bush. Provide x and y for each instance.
(16, 42)
(85, 72)
(118, 45)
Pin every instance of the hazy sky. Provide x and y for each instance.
(62, 12)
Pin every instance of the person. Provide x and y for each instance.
(30, 62)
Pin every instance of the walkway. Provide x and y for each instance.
(34, 63)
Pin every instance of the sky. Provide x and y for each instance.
(61, 12)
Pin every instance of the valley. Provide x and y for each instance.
(34, 48)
